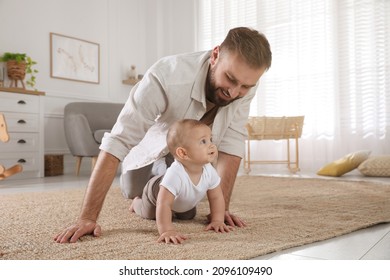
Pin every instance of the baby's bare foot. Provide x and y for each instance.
(131, 208)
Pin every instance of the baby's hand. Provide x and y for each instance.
(219, 227)
(172, 236)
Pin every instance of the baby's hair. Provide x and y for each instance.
(177, 132)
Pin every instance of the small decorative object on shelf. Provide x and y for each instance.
(132, 72)
(133, 78)
(18, 65)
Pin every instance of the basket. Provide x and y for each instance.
(16, 70)
(54, 165)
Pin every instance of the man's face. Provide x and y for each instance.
(229, 78)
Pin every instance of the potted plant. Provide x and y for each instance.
(18, 65)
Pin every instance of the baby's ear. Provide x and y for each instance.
(181, 153)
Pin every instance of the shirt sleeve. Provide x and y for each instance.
(146, 102)
(172, 181)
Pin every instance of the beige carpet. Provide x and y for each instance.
(281, 213)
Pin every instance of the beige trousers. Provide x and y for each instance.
(146, 207)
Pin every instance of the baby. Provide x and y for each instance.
(185, 183)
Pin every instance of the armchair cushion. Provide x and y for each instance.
(85, 124)
(98, 134)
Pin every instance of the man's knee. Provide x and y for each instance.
(129, 193)
(130, 188)
(133, 181)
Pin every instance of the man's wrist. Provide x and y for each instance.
(87, 220)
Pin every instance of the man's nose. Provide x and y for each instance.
(234, 92)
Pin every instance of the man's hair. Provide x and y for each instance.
(249, 44)
(177, 133)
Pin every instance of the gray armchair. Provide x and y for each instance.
(85, 124)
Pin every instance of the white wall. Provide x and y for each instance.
(128, 31)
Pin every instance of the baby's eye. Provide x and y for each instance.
(203, 141)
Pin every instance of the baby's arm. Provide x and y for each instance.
(217, 211)
(167, 232)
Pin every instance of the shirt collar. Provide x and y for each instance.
(198, 89)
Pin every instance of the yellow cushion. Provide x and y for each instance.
(378, 166)
(344, 165)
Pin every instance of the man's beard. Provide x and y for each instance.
(212, 91)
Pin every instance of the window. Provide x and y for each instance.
(331, 63)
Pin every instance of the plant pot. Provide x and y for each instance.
(16, 71)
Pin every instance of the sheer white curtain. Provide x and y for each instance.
(331, 63)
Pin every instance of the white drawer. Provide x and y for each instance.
(23, 114)
(29, 161)
(15, 102)
(20, 142)
(22, 122)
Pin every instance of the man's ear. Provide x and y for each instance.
(181, 153)
(214, 56)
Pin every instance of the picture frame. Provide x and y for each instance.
(74, 59)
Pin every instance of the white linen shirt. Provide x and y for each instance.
(187, 195)
(172, 89)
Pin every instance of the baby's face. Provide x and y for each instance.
(199, 145)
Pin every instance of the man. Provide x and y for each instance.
(215, 87)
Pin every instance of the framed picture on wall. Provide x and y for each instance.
(74, 59)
